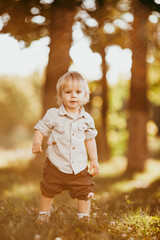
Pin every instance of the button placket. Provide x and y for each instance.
(72, 134)
(72, 147)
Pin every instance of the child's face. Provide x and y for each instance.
(73, 95)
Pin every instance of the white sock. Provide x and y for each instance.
(44, 212)
(81, 215)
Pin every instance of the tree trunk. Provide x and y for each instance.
(59, 61)
(102, 143)
(138, 107)
(102, 140)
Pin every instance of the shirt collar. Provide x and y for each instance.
(62, 112)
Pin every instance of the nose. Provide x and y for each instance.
(73, 94)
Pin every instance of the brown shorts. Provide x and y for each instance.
(55, 181)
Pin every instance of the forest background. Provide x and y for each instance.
(115, 45)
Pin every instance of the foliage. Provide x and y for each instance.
(117, 118)
(154, 78)
(20, 106)
(21, 23)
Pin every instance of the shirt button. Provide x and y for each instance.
(73, 147)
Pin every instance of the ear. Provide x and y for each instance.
(60, 100)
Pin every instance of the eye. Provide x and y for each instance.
(79, 91)
(68, 92)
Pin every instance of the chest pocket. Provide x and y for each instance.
(81, 128)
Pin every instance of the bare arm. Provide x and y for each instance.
(37, 142)
(92, 152)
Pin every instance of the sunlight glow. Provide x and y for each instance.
(115, 167)
(150, 59)
(122, 24)
(120, 62)
(16, 59)
(77, 33)
(123, 6)
(140, 180)
(1, 23)
(81, 55)
(82, 14)
(157, 1)
(38, 19)
(4, 18)
(109, 28)
(46, 1)
(128, 17)
(87, 62)
(152, 128)
(127, 186)
(153, 18)
(90, 5)
(22, 61)
(91, 22)
(15, 157)
(25, 190)
(35, 10)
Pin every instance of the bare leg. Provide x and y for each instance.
(45, 203)
(84, 206)
(44, 210)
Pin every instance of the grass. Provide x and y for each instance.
(18, 222)
(137, 225)
(125, 208)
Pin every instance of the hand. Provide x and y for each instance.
(94, 168)
(37, 148)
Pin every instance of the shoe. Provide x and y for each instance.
(43, 218)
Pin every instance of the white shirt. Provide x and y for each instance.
(66, 136)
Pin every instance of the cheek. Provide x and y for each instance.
(65, 97)
(81, 98)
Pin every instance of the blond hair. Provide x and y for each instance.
(75, 77)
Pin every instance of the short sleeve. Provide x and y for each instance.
(91, 132)
(45, 124)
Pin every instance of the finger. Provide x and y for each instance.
(91, 169)
(96, 171)
(36, 150)
(41, 150)
(33, 150)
